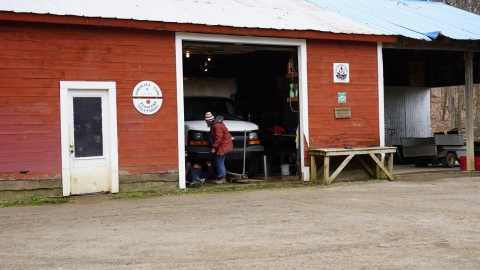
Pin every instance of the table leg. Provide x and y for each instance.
(378, 170)
(390, 163)
(381, 166)
(313, 169)
(326, 169)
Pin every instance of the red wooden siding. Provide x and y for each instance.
(34, 58)
(362, 94)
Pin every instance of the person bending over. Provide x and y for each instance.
(196, 177)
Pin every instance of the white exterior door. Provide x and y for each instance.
(90, 160)
(89, 155)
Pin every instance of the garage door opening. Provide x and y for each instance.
(261, 85)
(411, 106)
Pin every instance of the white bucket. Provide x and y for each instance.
(285, 169)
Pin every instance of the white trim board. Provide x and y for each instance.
(381, 95)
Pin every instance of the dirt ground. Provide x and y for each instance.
(413, 223)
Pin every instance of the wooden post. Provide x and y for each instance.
(313, 169)
(390, 162)
(326, 169)
(378, 171)
(469, 109)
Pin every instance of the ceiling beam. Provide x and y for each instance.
(442, 43)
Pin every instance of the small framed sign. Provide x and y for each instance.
(341, 72)
(343, 113)
(342, 97)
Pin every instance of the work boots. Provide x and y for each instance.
(219, 181)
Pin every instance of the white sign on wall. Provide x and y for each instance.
(147, 97)
(341, 72)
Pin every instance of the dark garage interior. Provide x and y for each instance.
(263, 75)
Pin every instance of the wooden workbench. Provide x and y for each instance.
(373, 152)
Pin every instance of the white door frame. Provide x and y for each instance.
(381, 95)
(301, 45)
(112, 140)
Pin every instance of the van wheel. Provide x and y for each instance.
(449, 160)
(251, 168)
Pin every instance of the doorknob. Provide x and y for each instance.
(71, 148)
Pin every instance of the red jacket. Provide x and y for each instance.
(222, 139)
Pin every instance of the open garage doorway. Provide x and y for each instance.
(411, 123)
(259, 75)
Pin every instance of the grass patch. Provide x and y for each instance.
(210, 190)
(151, 193)
(36, 201)
(133, 195)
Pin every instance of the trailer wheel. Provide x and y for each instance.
(449, 160)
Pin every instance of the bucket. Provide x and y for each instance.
(285, 169)
(463, 163)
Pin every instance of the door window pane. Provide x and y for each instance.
(87, 121)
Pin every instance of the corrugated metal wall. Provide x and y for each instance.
(407, 113)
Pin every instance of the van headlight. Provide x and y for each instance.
(253, 138)
(197, 138)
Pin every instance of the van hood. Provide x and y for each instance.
(232, 125)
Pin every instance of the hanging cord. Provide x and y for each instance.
(291, 106)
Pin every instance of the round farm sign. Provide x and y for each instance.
(147, 97)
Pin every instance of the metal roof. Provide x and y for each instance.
(264, 14)
(414, 19)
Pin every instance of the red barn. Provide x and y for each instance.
(75, 75)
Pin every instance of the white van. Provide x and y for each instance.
(216, 95)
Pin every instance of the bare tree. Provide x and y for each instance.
(456, 114)
(476, 104)
(444, 95)
(468, 5)
(460, 90)
(452, 106)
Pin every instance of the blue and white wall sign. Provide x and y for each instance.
(147, 97)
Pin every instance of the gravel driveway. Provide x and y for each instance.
(429, 223)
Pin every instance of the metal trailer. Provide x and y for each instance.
(441, 148)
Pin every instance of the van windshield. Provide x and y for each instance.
(195, 108)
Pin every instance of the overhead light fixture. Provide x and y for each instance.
(206, 63)
(206, 69)
(188, 54)
(209, 58)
